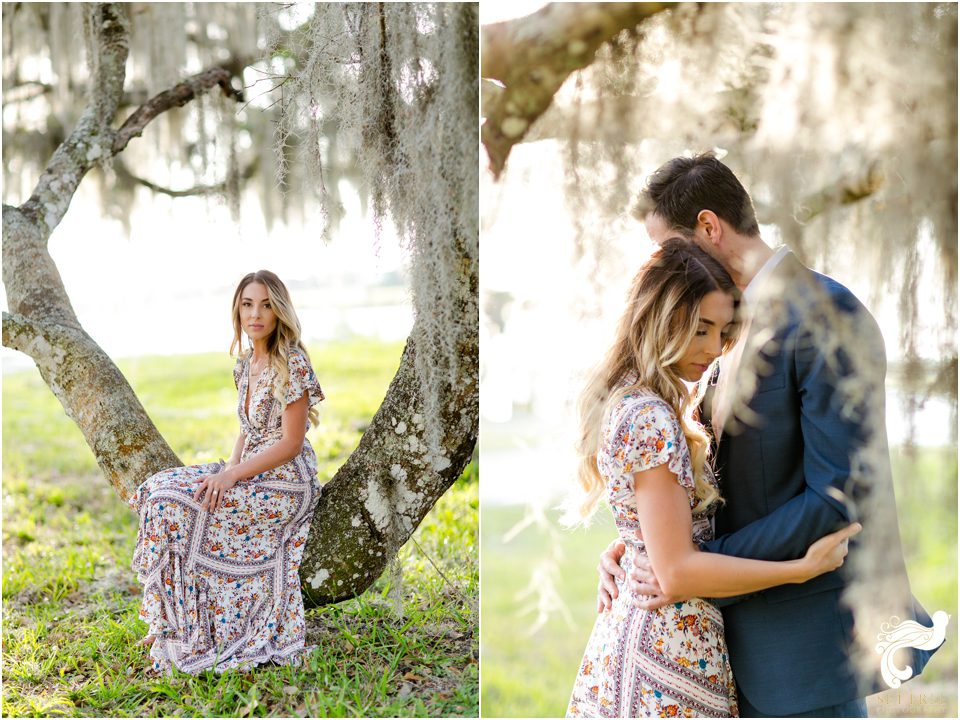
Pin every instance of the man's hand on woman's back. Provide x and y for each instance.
(642, 581)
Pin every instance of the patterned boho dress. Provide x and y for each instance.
(221, 590)
(670, 662)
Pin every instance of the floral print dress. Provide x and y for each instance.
(221, 590)
(670, 662)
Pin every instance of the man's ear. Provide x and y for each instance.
(708, 226)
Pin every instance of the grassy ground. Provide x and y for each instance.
(528, 671)
(70, 625)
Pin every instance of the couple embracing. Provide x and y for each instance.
(722, 594)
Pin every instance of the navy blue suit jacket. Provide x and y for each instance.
(790, 646)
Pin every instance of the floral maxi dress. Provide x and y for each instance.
(670, 662)
(221, 590)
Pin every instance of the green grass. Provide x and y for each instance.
(926, 490)
(70, 624)
(530, 674)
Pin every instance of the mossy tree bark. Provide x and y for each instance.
(373, 504)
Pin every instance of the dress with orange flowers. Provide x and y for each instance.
(670, 662)
(221, 590)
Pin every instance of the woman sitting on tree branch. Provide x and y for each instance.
(220, 544)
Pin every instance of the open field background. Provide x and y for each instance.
(70, 625)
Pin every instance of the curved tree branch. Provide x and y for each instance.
(845, 191)
(363, 531)
(90, 140)
(177, 96)
(532, 57)
(96, 396)
(124, 172)
(42, 322)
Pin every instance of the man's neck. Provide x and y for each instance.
(746, 260)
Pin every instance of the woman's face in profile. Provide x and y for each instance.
(716, 321)
(256, 314)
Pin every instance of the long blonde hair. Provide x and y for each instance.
(660, 321)
(285, 337)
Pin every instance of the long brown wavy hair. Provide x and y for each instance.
(660, 321)
(285, 336)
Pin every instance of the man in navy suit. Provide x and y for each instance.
(801, 453)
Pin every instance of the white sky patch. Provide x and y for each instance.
(500, 10)
(166, 288)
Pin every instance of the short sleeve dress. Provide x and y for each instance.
(670, 662)
(221, 590)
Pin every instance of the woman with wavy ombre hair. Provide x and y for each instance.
(278, 342)
(220, 543)
(643, 447)
(659, 326)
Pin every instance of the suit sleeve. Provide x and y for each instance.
(833, 430)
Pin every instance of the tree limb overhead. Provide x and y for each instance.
(177, 96)
(91, 138)
(845, 191)
(532, 57)
(124, 172)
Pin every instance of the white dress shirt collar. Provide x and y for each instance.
(752, 291)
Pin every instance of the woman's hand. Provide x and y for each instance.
(609, 570)
(214, 487)
(828, 552)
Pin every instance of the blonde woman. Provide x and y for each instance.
(220, 544)
(644, 449)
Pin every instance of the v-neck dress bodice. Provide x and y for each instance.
(261, 421)
(222, 590)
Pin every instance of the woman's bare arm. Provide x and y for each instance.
(684, 571)
(293, 427)
(293, 424)
(237, 451)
